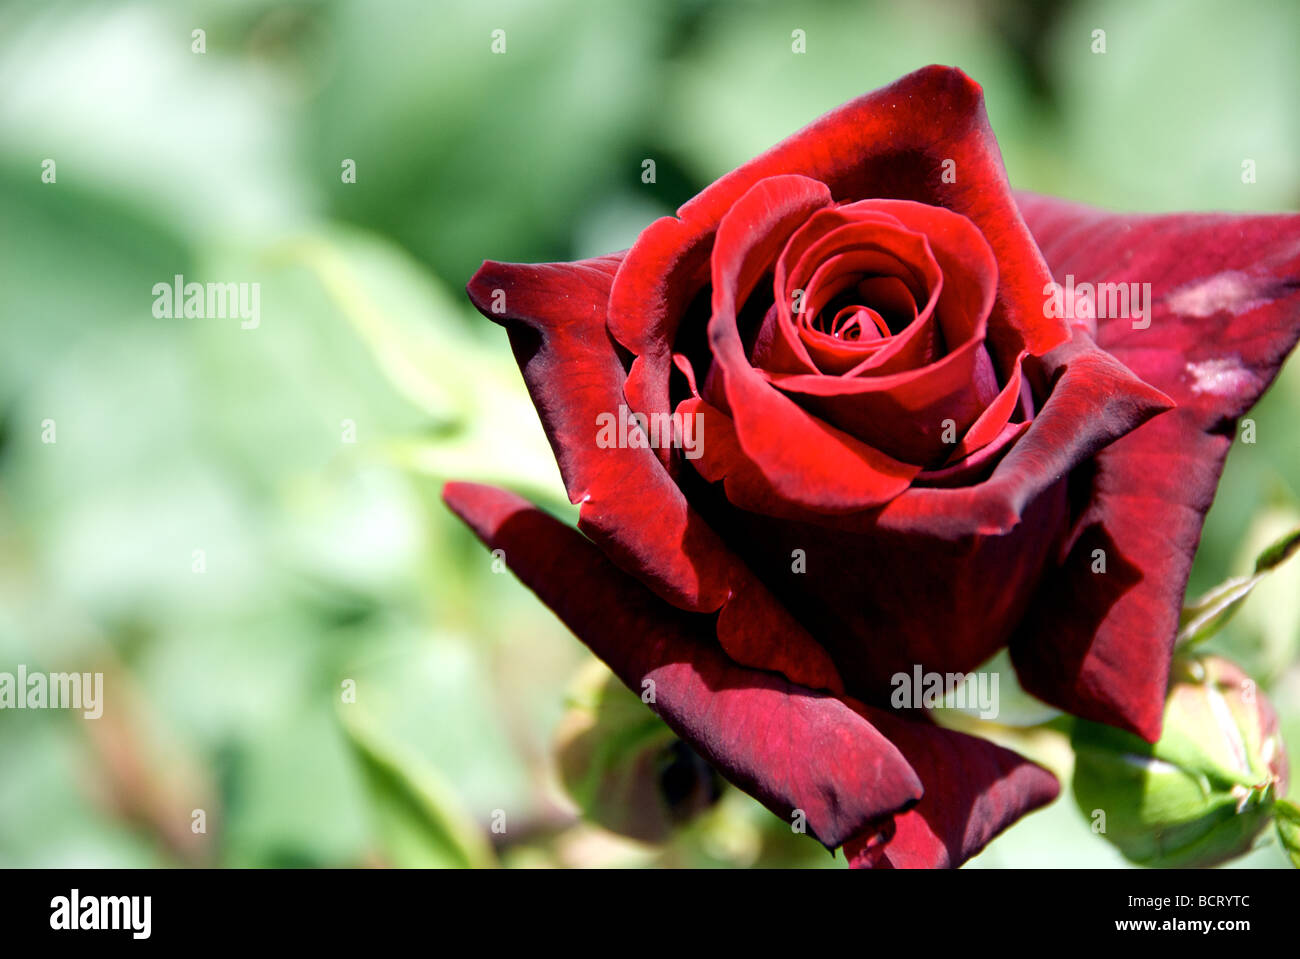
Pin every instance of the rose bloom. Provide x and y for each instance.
(905, 454)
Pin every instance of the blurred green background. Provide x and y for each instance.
(326, 561)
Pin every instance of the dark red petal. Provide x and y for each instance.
(665, 269)
(788, 746)
(725, 462)
(973, 790)
(904, 414)
(914, 411)
(992, 423)
(912, 347)
(970, 272)
(970, 557)
(781, 347)
(826, 469)
(976, 467)
(1226, 298)
(1094, 400)
(893, 143)
(555, 315)
(832, 250)
(631, 507)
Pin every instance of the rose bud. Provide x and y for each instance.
(624, 768)
(1202, 793)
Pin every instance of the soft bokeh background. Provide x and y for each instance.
(328, 561)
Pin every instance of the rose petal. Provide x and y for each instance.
(785, 345)
(631, 507)
(910, 416)
(787, 746)
(970, 272)
(969, 557)
(973, 790)
(993, 421)
(1226, 296)
(976, 467)
(895, 142)
(917, 412)
(834, 245)
(1097, 400)
(665, 269)
(826, 469)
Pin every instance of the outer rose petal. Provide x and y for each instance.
(973, 790)
(890, 143)
(630, 505)
(788, 746)
(1226, 311)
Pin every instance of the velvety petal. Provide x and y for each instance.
(970, 557)
(1094, 401)
(952, 263)
(630, 505)
(970, 272)
(906, 415)
(555, 316)
(894, 143)
(973, 790)
(975, 467)
(788, 345)
(837, 243)
(1225, 292)
(916, 410)
(827, 469)
(896, 401)
(993, 421)
(789, 747)
(890, 303)
(665, 269)
(725, 462)
(908, 349)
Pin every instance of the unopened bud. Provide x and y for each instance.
(624, 767)
(1200, 795)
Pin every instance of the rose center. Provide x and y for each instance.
(873, 308)
(857, 323)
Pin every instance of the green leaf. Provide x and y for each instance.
(401, 315)
(481, 423)
(1288, 828)
(1208, 614)
(1279, 552)
(419, 820)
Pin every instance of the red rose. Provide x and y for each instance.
(880, 444)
